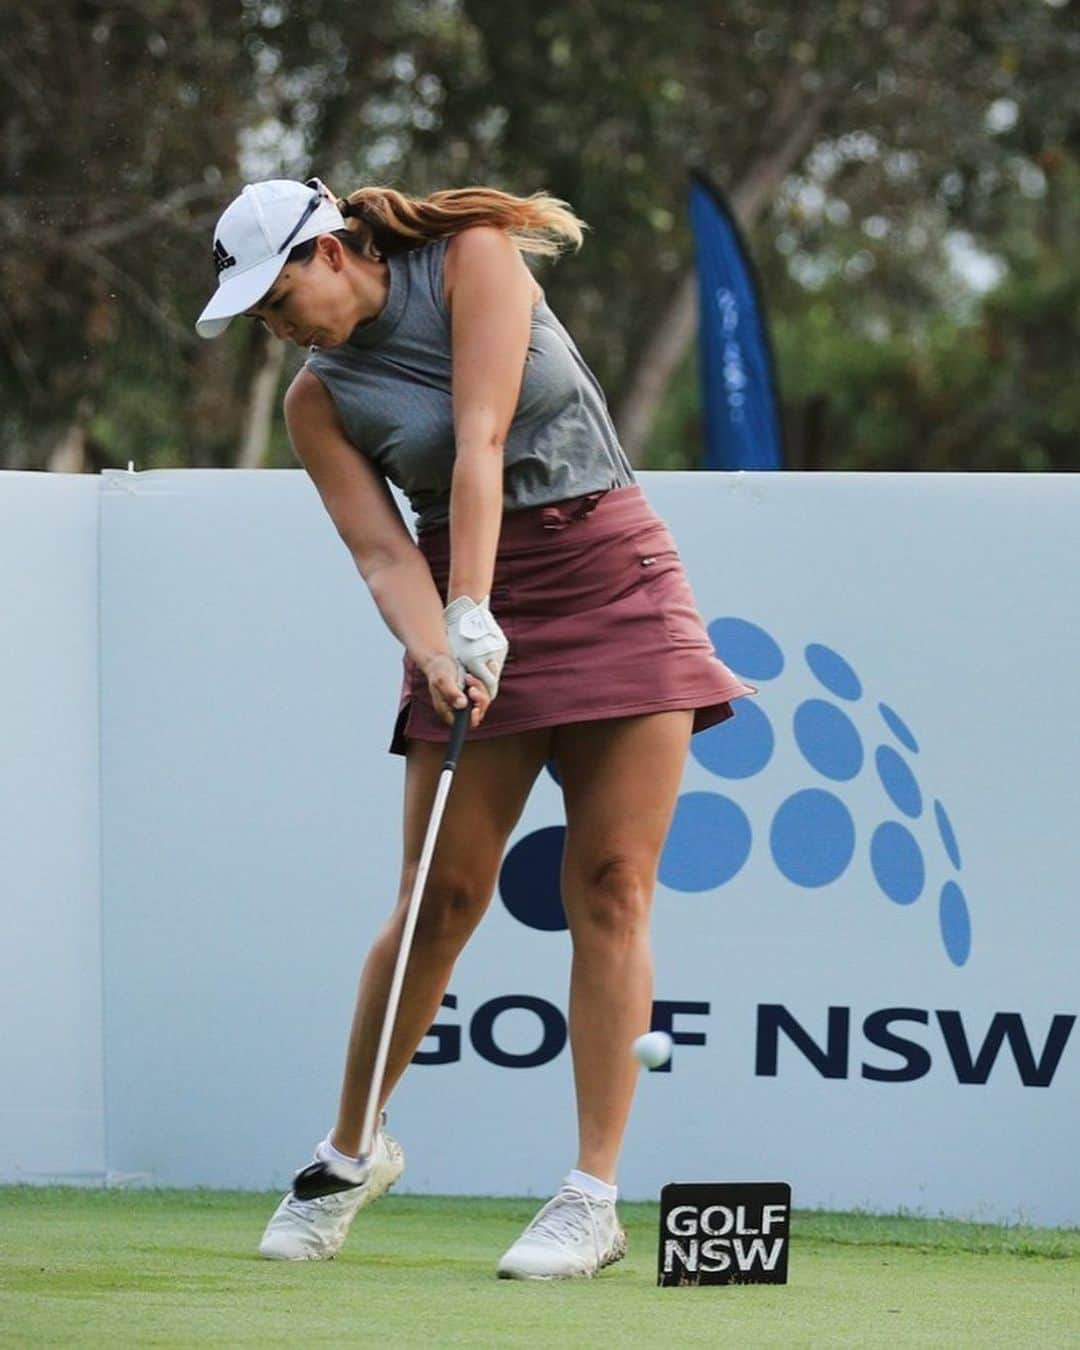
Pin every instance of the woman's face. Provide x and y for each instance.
(311, 303)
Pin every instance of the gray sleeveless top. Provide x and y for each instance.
(390, 384)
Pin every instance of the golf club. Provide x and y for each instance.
(317, 1179)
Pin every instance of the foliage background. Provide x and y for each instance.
(908, 173)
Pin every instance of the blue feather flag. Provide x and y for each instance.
(741, 407)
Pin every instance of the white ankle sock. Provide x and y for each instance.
(327, 1152)
(592, 1186)
(352, 1170)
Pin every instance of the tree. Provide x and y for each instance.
(119, 128)
(857, 139)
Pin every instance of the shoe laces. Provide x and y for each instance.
(321, 1207)
(569, 1216)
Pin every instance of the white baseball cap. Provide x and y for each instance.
(253, 239)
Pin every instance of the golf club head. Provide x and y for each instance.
(318, 1179)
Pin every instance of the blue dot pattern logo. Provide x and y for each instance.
(812, 837)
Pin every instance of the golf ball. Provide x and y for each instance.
(653, 1049)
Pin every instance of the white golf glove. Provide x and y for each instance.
(477, 642)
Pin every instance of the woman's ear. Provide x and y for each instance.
(332, 251)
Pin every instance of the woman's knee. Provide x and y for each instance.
(610, 898)
(452, 905)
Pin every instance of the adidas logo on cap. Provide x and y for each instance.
(222, 257)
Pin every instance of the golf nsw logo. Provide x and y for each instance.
(724, 1233)
(843, 736)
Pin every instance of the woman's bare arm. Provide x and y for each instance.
(370, 525)
(490, 292)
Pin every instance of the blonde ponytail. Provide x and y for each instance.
(392, 222)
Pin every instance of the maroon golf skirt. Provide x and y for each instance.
(601, 622)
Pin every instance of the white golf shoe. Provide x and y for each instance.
(573, 1236)
(315, 1229)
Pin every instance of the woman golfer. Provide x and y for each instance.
(540, 573)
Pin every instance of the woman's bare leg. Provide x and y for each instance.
(620, 780)
(491, 785)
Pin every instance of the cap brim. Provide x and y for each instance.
(237, 293)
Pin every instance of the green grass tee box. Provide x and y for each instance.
(179, 1268)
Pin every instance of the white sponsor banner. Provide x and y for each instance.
(51, 1093)
(865, 931)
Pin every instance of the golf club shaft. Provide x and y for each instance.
(371, 1111)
